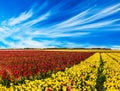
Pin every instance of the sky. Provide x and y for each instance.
(59, 23)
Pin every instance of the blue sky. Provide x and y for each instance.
(59, 23)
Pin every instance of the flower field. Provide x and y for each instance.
(59, 71)
(17, 66)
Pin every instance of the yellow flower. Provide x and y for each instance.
(64, 88)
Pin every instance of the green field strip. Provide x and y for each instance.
(100, 76)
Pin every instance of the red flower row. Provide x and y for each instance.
(17, 64)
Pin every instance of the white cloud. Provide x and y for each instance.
(102, 13)
(4, 31)
(1, 30)
(37, 20)
(96, 25)
(62, 29)
(74, 20)
(29, 43)
(17, 20)
(96, 46)
(23, 29)
(55, 35)
(82, 18)
(117, 47)
(73, 45)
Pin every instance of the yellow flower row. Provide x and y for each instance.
(116, 56)
(112, 73)
(81, 77)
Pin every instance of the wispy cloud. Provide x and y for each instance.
(82, 21)
(115, 47)
(21, 18)
(37, 20)
(96, 25)
(29, 43)
(31, 24)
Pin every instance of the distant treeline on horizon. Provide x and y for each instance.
(56, 48)
(70, 48)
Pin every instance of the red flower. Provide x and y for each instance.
(49, 89)
(69, 88)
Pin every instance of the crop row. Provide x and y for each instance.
(111, 73)
(72, 77)
(99, 72)
(20, 65)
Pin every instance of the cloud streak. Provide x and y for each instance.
(51, 28)
(23, 17)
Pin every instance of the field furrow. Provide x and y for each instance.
(65, 71)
